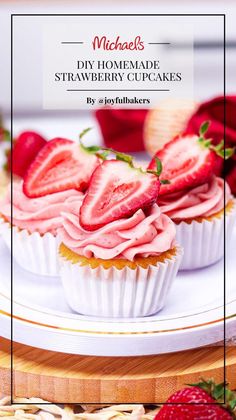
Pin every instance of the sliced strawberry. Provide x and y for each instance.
(186, 162)
(25, 147)
(60, 165)
(117, 190)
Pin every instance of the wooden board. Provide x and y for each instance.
(59, 377)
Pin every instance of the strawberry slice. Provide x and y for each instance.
(187, 161)
(117, 190)
(60, 165)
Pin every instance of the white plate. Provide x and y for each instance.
(193, 315)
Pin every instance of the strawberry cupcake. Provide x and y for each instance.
(118, 255)
(53, 184)
(195, 198)
(35, 222)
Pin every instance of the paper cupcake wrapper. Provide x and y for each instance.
(118, 293)
(203, 242)
(31, 251)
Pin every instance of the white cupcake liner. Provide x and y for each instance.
(203, 242)
(31, 251)
(117, 293)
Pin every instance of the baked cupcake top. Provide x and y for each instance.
(118, 217)
(42, 214)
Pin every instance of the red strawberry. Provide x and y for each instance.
(25, 148)
(117, 190)
(198, 402)
(186, 163)
(60, 165)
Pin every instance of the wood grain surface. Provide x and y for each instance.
(60, 377)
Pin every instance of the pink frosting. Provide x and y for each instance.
(139, 235)
(200, 201)
(41, 214)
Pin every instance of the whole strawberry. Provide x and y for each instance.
(201, 401)
(25, 148)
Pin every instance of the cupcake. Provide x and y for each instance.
(35, 222)
(118, 255)
(165, 121)
(199, 217)
(195, 198)
(53, 184)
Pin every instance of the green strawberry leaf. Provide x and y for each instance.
(85, 131)
(218, 391)
(95, 150)
(220, 153)
(165, 181)
(223, 153)
(202, 131)
(158, 170)
(232, 404)
(207, 143)
(124, 157)
(92, 149)
(5, 135)
(229, 152)
(203, 128)
(150, 171)
(103, 155)
(119, 155)
(159, 166)
(219, 146)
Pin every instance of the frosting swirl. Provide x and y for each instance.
(41, 214)
(138, 235)
(202, 201)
